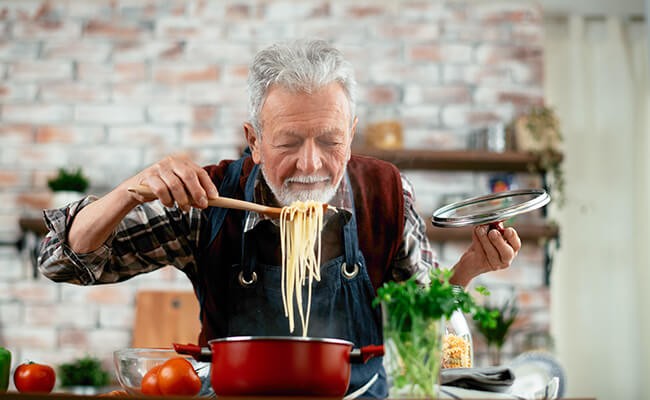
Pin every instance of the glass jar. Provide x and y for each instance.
(413, 352)
(457, 348)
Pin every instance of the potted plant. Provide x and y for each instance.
(496, 334)
(538, 132)
(83, 376)
(413, 328)
(67, 186)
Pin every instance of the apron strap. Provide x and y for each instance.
(350, 238)
(228, 187)
(248, 248)
(216, 215)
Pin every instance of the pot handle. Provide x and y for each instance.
(199, 353)
(366, 353)
(498, 226)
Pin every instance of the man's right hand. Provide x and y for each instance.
(176, 179)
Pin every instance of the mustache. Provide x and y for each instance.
(307, 179)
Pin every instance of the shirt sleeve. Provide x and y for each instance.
(151, 236)
(414, 257)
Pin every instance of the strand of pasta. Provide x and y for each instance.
(300, 243)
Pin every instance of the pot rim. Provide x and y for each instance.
(281, 339)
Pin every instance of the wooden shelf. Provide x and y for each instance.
(527, 232)
(455, 160)
(33, 224)
(480, 161)
(436, 234)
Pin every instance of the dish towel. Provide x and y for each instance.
(495, 379)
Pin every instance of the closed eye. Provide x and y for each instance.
(328, 141)
(287, 145)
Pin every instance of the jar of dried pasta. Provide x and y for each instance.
(457, 350)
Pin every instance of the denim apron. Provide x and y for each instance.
(341, 301)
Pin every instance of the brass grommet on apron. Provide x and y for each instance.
(244, 282)
(349, 274)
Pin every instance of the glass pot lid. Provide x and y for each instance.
(495, 207)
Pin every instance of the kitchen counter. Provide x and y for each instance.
(67, 396)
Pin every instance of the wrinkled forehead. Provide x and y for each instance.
(321, 110)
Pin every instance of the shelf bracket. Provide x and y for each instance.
(550, 248)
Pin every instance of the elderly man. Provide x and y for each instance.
(302, 121)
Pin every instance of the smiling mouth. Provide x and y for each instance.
(307, 181)
(308, 185)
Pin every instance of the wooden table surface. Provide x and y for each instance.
(65, 396)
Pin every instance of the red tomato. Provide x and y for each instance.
(149, 385)
(32, 377)
(177, 377)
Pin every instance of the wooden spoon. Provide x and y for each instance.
(226, 202)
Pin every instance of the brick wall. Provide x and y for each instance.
(114, 86)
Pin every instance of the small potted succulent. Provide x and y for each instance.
(84, 376)
(538, 132)
(67, 186)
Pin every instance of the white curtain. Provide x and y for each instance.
(597, 80)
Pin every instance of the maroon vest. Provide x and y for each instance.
(379, 212)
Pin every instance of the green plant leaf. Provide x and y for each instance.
(503, 318)
(482, 291)
(86, 371)
(73, 180)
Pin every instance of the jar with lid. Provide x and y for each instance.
(457, 348)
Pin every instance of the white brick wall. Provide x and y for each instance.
(109, 114)
(17, 92)
(40, 71)
(35, 113)
(116, 85)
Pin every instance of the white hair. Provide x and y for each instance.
(302, 66)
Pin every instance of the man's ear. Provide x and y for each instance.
(354, 128)
(254, 142)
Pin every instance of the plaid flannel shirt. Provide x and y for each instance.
(152, 236)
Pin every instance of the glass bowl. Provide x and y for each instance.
(133, 363)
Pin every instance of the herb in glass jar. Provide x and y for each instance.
(413, 327)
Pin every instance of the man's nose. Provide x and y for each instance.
(309, 159)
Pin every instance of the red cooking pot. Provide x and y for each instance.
(280, 366)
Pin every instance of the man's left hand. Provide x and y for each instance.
(489, 251)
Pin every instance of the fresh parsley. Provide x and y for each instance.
(413, 318)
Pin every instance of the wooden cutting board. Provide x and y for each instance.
(164, 317)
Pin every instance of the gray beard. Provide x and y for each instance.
(286, 196)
